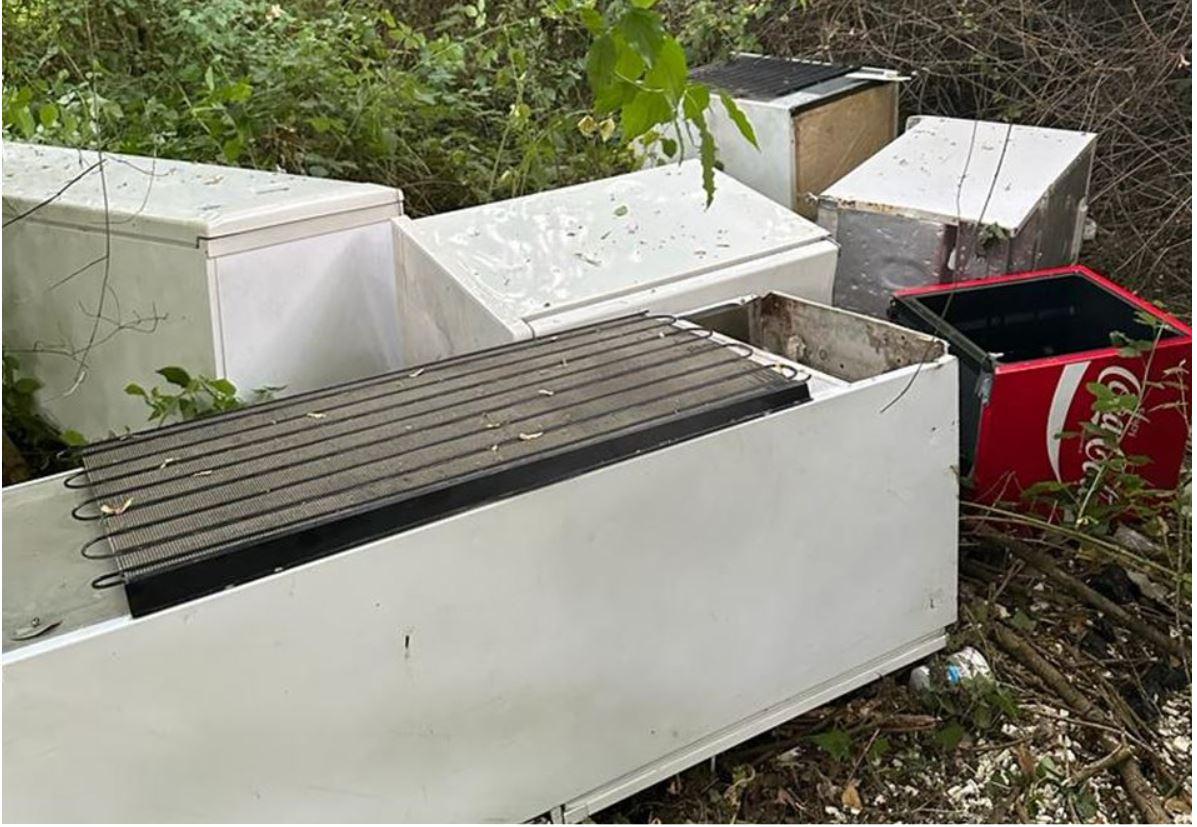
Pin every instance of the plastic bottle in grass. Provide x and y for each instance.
(966, 665)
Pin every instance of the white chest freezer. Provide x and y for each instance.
(814, 123)
(536, 579)
(954, 199)
(258, 277)
(515, 269)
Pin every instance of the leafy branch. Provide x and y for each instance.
(197, 396)
(32, 442)
(638, 70)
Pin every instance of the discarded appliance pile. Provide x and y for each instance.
(543, 466)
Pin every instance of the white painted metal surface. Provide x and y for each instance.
(931, 174)
(954, 199)
(259, 277)
(771, 168)
(509, 270)
(558, 649)
(171, 200)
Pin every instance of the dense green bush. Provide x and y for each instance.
(456, 104)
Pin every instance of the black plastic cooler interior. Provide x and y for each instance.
(1019, 320)
(1004, 322)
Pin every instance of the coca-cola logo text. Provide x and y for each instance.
(1097, 448)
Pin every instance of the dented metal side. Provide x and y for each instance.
(882, 251)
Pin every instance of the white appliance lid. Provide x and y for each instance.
(539, 254)
(171, 200)
(923, 172)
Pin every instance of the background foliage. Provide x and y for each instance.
(457, 104)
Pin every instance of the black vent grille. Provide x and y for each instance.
(766, 78)
(193, 508)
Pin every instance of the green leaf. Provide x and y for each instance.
(209, 78)
(27, 385)
(644, 4)
(1086, 804)
(1149, 319)
(1047, 768)
(1004, 701)
(600, 63)
(668, 71)
(239, 92)
(232, 149)
(134, 389)
(176, 376)
(643, 112)
(707, 155)
(614, 97)
(47, 113)
(223, 386)
(628, 63)
(739, 118)
(321, 124)
(834, 742)
(669, 147)
(642, 30)
(949, 737)
(1022, 621)
(695, 101)
(25, 122)
(593, 21)
(73, 438)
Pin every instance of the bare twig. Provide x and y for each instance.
(1115, 758)
(1144, 797)
(51, 199)
(1094, 598)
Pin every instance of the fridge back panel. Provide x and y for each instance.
(764, 78)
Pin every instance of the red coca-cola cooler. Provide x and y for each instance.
(1030, 346)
